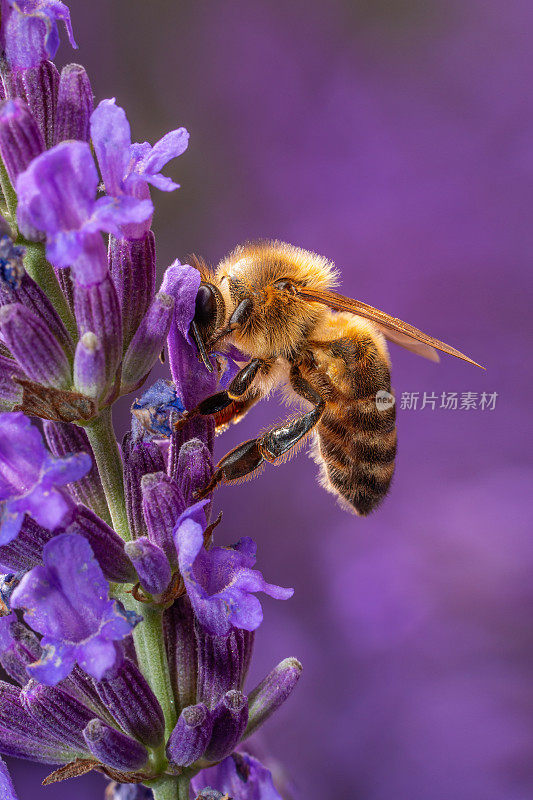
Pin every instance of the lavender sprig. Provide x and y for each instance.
(126, 633)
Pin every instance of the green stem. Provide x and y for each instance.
(43, 273)
(171, 789)
(150, 648)
(183, 787)
(102, 438)
(148, 634)
(9, 193)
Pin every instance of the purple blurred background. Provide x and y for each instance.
(395, 137)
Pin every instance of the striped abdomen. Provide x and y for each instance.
(356, 437)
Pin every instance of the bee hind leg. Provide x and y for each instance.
(274, 446)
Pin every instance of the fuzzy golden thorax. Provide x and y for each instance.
(278, 322)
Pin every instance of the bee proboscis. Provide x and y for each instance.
(275, 303)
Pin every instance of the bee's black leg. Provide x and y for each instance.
(221, 400)
(243, 461)
(279, 441)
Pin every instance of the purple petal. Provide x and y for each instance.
(65, 598)
(240, 776)
(31, 34)
(162, 183)
(189, 536)
(22, 453)
(118, 622)
(245, 610)
(111, 135)
(172, 145)
(10, 524)
(59, 471)
(57, 190)
(110, 213)
(54, 665)
(96, 656)
(182, 282)
(65, 248)
(220, 582)
(46, 505)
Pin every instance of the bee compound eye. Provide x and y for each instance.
(205, 312)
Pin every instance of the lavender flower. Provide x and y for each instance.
(20, 138)
(30, 477)
(57, 195)
(29, 32)
(241, 777)
(128, 168)
(221, 582)
(67, 601)
(92, 523)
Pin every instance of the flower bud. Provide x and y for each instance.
(106, 544)
(23, 737)
(268, 696)
(180, 642)
(194, 469)
(97, 310)
(132, 268)
(58, 712)
(133, 704)
(74, 105)
(28, 293)
(90, 366)
(191, 735)
(162, 504)
(37, 351)
(229, 722)
(113, 747)
(63, 438)
(151, 564)
(26, 550)
(202, 428)
(148, 341)
(140, 458)
(223, 662)
(20, 138)
(38, 86)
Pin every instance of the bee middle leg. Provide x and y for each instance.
(246, 459)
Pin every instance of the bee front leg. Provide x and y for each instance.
(221, 400)
(274, 446)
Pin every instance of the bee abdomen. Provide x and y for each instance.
(357, 448)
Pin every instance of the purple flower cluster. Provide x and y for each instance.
(126, 633)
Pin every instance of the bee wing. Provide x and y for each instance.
(407, 342)
(394, 329)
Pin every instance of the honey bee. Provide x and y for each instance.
(274, 302)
